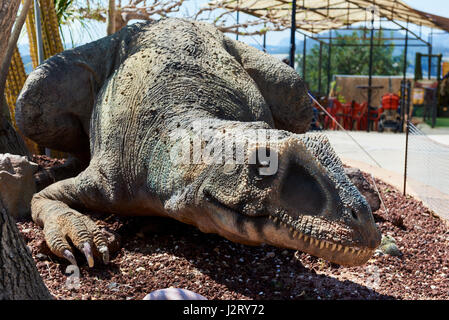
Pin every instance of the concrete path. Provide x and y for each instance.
(440, 135)
(387, 149)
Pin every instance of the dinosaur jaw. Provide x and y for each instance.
(334, 242)
(319, 245)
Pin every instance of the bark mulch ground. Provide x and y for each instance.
(159, 253)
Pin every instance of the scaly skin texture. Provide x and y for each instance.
(129, 93)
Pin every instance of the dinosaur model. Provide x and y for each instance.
(117, 103)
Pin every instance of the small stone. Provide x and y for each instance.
(378, 253)
(398, 221)
(112, 285)
(41, 257)
(270, 254)
(139, 269)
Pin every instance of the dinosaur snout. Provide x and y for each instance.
(362, 222)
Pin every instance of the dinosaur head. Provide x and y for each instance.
(304, 202)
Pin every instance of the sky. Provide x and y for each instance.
(439, 7)
(78, 35)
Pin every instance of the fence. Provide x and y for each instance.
(426, 171)
(428, 163)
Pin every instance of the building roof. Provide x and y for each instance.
(320, 15)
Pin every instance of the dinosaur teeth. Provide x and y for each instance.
(329, 245)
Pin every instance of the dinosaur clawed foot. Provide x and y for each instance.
(83, 233)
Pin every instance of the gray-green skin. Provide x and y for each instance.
(127, 93)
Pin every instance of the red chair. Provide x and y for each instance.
(340, 112)
(328, 119)
(374, 116)
(359, 116)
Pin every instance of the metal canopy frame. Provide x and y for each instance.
(411, 39)
(316, 16)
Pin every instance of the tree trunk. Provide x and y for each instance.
(19, 278)
(111, 18)
(8, 13)
(10, 140)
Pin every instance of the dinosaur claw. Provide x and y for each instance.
(87, 250)
(69, 256)
(105, 254)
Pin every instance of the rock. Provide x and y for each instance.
(41, 257)
(388, 246)
(173, 294)
(113, 286)
(17, 185)
(398, 221)
(365, 188)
